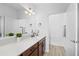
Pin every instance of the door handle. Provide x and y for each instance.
(64, 30)
(74, 41)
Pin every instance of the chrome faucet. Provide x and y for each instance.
(34, 33)
(23, 30)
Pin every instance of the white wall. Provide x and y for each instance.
(56, 31)
(8, 11)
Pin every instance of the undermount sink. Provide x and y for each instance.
(7, 40)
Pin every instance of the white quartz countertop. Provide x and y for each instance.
(16, 48)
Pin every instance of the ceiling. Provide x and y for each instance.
(47, 8)
(15, 6)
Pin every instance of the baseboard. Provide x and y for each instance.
(46, 50)
(56, 44)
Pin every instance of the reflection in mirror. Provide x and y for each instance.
(8, 25)
(11, 25)
(2, 26)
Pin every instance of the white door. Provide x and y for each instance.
(78, 40)
(59, 26)
(71, 17)
(78, 33)
(56, 29)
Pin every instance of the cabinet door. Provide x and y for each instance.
(31, 50)
(27, 53)
(43, 46)
(41, 49)
(34, 53)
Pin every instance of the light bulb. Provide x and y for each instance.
(26, 12)
(30, 14)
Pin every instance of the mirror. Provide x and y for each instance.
(8, 25)
(11, 25)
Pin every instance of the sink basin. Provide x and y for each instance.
(7, 40)
(25, 36)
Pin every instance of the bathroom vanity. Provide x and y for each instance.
(37, 49)
(25, 47)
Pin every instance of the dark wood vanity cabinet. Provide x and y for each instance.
(34, 53)
(37, 49)
(41, 47)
